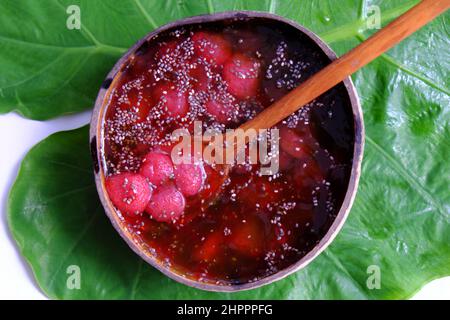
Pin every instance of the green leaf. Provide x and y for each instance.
(400, 221)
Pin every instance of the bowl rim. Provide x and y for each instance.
(96, 139)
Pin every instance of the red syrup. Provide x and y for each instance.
(223, 74)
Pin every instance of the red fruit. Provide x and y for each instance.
(157, 167)
(129, 192)
(292, 143)
(174, 102)
(247, 237)
(167, 204)
(212, 47)
(242, 76)
(210, 247)
(189, 178)
(222, 112)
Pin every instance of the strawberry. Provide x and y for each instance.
(242, 76)
(157, 167)
(174, 101)
(167, 204)
(129, 192)
(213, 47)
(189, 178)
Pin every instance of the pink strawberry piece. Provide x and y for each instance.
(167, 204)
(157, 167)
(189, 178)
(242, 76)
(174, 101)
(292, 143)
(222, 112)
(129, 192)
(212, 47)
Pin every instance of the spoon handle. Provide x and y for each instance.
(349, 63)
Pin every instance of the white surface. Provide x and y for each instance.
(17, 136)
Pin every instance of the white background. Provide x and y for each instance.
(17, 136)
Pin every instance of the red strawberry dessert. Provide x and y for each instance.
(219, 225)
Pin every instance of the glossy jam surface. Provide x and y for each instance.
(223, 74)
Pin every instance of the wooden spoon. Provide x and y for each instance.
(340, 69)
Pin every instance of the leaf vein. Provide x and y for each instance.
(353, 29)
(72, 75)
(409, 177)
(272, 6)
(68, 165)
(210, 6)
(74, 245)
(62, 195)
(136, 280)
(146, 15)
(38, 73)
(414, 74)
(339, 264)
